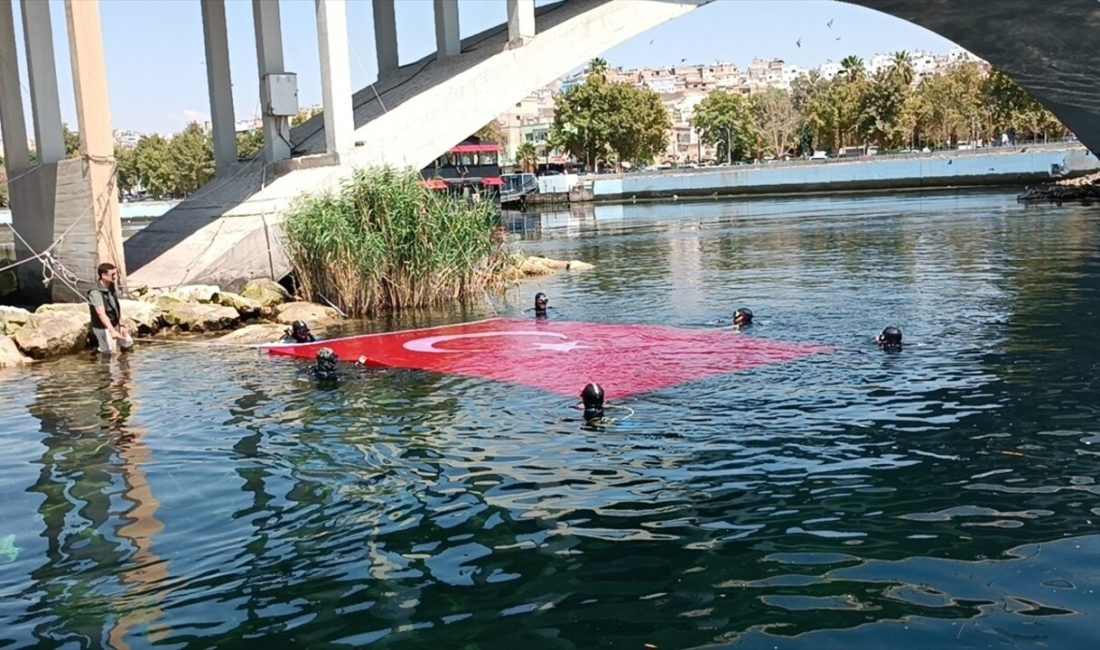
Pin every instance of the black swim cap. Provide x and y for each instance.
(891, 336)
(326, 359)
(299, 327)
(592, 395)
(541, 299)
(743, 312)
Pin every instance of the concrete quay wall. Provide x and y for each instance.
(935, 170)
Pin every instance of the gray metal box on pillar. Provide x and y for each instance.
(281, 94)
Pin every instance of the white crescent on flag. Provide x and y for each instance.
(428, 343)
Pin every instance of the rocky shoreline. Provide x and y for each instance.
(1085, 189)
(259, 314)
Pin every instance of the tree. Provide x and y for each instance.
(901, 67)
(639, 124)
(597, 66)
(777, 118)
(527, 157)
(72, 142)
(581, 121)
(852, 69)
(304, 115)
(192, 159)
(152, 170)
(492, 132)
(727, 120)
(249, 143)
(1011, 107)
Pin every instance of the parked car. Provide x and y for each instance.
(819, 156)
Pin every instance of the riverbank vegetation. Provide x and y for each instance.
(890, 109)
(386, 242)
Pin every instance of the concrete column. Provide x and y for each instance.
(219, 84)
(13, 124)
(94, 117)
(332, 39)
(385, 36)
(447, 39)
(269, 56)
(521, 21)
(49, 138)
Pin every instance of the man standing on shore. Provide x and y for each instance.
(105, 312)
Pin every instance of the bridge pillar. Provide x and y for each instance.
(13, 124)
(385, 36)
(521, 21)
(447, 39)
(332, 39)
(97, 144)
(49, 136)
(219, 85)
(269, 58)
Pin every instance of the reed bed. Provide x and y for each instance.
(384, 242)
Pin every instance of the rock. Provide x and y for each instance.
(165, 301)
(195, 293)
(532, 267)
(256, 334)
(309, 312)
(577, 265)
(266, 292)
(549, 263)
(246, 307)
(12, 318)
(194, 317)
(10, 354)
(53, 333)
(141, 317)
(63, 307)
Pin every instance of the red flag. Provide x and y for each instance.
(561, 357)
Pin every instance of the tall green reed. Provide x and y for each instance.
(386, 242)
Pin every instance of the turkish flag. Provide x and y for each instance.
(561, 357)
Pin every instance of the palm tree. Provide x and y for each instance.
(901, 64)
(527, 157)
(598, 66)
(852, 67)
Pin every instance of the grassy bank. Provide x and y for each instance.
(386, 242)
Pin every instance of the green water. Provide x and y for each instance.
(198, 497)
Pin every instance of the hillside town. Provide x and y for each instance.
(681, 87)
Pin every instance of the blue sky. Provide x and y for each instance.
(155, 57)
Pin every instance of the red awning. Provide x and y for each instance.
(435, 184)
(495, 180)
(476, 148)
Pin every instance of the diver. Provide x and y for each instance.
(742, 318)
(890, 339)
(324, 367)
(592, 400)
(541, 305)
(298, 333)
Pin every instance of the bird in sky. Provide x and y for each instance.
(798, 42)
(829, 24)
(838, 38)
(651, 41)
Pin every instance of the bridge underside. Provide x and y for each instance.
(229, 230)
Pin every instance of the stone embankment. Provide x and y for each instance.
(259, 314)
(1082, 188)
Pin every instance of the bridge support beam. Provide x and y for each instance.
(97, 145)
(332, 38)
(269, 59)
(385, 36)
(521, 21)
(13, 124)
(49, 136)
(447, 39)
(219, 85)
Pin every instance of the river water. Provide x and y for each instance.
(191, 496)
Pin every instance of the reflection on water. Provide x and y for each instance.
(192, 496)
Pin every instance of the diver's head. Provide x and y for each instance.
(890, 338)
(326, 360)
(592, 398)
(541, 301)
(299, 331)
(742, 317)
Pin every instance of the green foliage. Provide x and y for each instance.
(167, 168)
(72, 142)
(386, 242)
(727, 119)
(601, 122)
(778, 121)
(527, 157)
(250, 144)
(492, 132)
